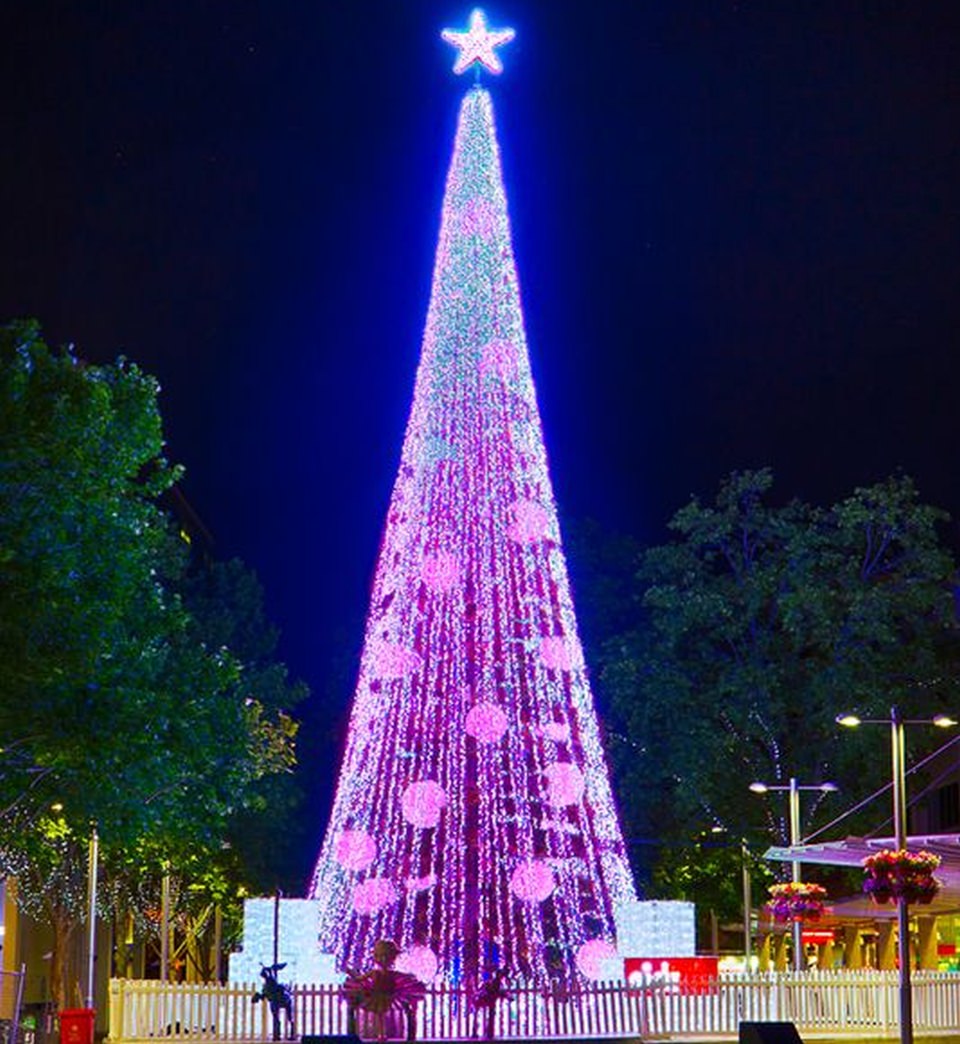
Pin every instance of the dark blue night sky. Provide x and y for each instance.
(737, 226)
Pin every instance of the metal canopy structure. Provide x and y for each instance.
(851, 851)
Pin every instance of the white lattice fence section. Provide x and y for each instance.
(832, 1003)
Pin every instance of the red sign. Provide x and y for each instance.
(817, 936)
(678, 974)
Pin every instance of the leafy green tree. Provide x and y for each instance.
(115, 707)
(226, 602)
(760, 624)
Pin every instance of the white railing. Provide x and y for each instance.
(834, 1002)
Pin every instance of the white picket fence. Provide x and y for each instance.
(836, 1003)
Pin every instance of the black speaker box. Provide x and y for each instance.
(769, 1033)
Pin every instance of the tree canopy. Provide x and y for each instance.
(760, 624)
(128, 699)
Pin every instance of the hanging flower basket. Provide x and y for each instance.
(891, 875)
(796, 901)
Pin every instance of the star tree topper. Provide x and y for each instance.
(476, 44)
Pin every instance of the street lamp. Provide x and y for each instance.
(899, 779)
(793, 789)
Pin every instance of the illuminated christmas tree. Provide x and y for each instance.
(473, 822)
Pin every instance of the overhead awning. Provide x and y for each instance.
(851, 851)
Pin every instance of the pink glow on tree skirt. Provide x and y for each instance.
(355, 849)
(530, 522)
(558, 654)
(440, 572)
(592, 956)
(394, 661)
(420, 961)
(565, 784)
(486, 723)
(372, 895)
(423, 802)
(532, 881)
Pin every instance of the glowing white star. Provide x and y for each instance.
(476, 44)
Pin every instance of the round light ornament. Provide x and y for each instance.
(558, 654)
(372, 895)
(592, 958)
(531, 522)
(533, 881)
(440, 572)
(565, 784)
(355, 849)
(423, 802)
(486, 723)
(395, 661)
(420, 961)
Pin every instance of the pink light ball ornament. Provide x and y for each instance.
(557, 731)
(394, 661)
(372, 895)
(593, 956)
(530, 522)
(420, 961)
(355, 849)
(558, 654)
(532, 881)
(486, 723)
(565, 784)
(440, 572)
(423, 802)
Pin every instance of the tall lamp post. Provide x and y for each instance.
(793, 789)
(899, 780)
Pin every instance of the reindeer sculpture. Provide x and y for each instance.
(278, 996)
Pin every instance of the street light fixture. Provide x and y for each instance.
(793, 789)
(899, 780)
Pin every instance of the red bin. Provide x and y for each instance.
(76, 1025)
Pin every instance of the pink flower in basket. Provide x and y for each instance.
(797, 901)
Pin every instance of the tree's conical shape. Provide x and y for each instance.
(473, 822)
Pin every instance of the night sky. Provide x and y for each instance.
(736, 225)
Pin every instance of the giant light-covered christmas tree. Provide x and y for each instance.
(473, 822)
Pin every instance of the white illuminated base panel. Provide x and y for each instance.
(297, 943)
(656, 928)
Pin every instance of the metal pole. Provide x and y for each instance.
(898, 751)
(274, 1006)
(92, 913)
(276, 927)
(747, 905)
(165, 928)
(798, 961)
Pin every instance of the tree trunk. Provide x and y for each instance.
(63, 926)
